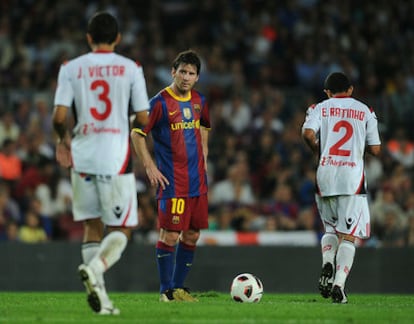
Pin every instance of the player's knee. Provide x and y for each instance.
(348, 237)
(190, 237)
(93, 230)
(169, 237)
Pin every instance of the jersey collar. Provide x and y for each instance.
(103, 51)
(171, 92)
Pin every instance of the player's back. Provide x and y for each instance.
(343, 134)
(101, 85)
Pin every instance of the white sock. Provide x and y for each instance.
(329, 246)
(344, 261)
(109, 252)
(89, 251)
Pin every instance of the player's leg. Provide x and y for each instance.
(344, 262)
(196, 209)
(329, 243)
(165, 254)
(353, 222)
(86, 209)
(183, 263)
(118, 204)
(92, 237)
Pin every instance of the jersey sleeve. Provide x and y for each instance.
(205, 116)
(313, 119)
(64, 91)
(154, 116)
(373, 137)
(139, 96)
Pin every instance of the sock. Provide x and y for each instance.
(183, 263)
(165, 263)
(344, 261)
(109, 252)
(89, 250)
(329, 246)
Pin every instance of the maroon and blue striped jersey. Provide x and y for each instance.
(175, 123)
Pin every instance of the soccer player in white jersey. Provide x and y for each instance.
(339, 130)
(101, 86)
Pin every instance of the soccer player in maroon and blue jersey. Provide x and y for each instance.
(179, 122)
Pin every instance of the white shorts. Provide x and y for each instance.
(111, 198)
(345, 214)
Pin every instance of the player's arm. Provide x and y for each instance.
(63, 155)
(373, 137)
(374, 149)
(204, 143)
(309, 136)
(139, 142)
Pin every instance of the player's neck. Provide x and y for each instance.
(179, 93)
(103, 48)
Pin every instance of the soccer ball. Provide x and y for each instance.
(246, 288)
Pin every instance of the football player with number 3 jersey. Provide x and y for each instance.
(339, 130)
(100, 86)
(179, 122)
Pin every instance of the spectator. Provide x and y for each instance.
(31, 231)
(401, 148)
(10, 163)
(284, 207)
(236, 189)
(237, 113)
(8, 127)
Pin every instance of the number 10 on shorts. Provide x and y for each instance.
(177, 206)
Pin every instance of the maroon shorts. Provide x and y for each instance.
(181, 214)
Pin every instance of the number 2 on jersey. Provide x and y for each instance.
(336, 148)
(103, 87)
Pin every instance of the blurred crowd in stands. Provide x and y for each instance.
(264, 63)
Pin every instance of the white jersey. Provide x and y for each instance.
(345, 126)
(102, 85)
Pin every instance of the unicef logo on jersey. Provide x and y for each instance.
(187, 123)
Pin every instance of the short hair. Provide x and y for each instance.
(103, 28)
(187, 57)
(337, 82)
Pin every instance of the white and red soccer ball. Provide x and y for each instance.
(246, 288)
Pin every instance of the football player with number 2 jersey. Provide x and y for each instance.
(339, 130)
(100, 86)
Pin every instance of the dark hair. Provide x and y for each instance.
(103, 28)
(187, 57)
(337, 82)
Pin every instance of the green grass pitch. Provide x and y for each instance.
(213, 307)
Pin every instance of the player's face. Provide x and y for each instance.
(185, 77)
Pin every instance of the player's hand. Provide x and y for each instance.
(156, 177)
(63, 154)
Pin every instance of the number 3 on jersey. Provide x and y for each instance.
(336, 148)
(102, 87)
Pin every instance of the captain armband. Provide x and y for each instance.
(139, 131)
